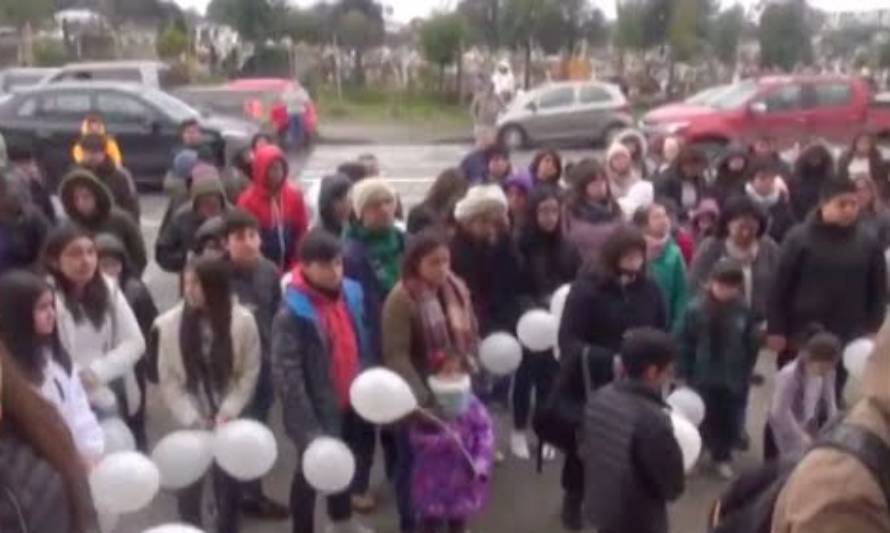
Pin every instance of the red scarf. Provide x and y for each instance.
(338, 335)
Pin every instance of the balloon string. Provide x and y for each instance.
(432, 417)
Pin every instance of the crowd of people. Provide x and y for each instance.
(683, 270)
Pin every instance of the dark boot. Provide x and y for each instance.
(571, 512)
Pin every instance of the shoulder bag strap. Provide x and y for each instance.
(585, 371)
(867, 447)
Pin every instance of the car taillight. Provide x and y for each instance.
(253, 109)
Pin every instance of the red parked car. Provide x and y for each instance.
(789, 108)
(275, 110)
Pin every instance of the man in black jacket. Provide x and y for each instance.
(633, 465)
(831, 272)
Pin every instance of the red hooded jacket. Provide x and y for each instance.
(280, 237)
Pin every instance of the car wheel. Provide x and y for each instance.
(513, 137)
(610, 133)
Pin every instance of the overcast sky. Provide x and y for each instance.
(405, 10)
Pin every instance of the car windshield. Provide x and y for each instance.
(735, 95)
(178, 110)
(708, 95)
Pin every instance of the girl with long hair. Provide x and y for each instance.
(95, 324)
(28, 329)
(44, 482)
(591, 212)
(208, 365)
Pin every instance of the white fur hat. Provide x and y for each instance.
(480, 199)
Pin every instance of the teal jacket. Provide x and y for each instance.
(669, 272)
(727, 363)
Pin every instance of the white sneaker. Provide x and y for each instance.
(519, 445)
(348, 526)
(548, 453)
(724, 470)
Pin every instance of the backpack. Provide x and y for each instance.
(748, 503)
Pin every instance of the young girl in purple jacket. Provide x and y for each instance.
(452, 456)
(804, 398)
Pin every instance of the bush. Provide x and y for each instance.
(172, 42)
(49, 53)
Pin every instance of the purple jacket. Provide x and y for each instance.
(443, 483)
(794, 413)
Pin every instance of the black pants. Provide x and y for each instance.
(720, 427)
(226, 492)
(434, 525)
(402, 480)
(535, 374)
(302, 495)
(365, 439)
(573, 474)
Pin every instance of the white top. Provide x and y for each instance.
(66, 393)
(110, 351)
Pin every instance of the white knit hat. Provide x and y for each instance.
(479, 200)
(370, 190)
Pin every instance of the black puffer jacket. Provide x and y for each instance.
(549, 260)
(492, 274)
(829, 275)
(596, 315)
(32, 493)
(22, 233)
(633, 465)
(814, 167)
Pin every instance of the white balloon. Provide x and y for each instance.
(856, 356)
(500, 353)
(688, 403)
(688, 438)
(537, 330)
(174, 528)
(558, 301)
(245, 449)
(124, 482)
(381, 396)
(328, 465)
(182, 457)
(118, 437)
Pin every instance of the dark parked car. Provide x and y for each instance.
(145, 122)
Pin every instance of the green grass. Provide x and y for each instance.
(399, 107)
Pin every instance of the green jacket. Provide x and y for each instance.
(668, 270)
(700, 364)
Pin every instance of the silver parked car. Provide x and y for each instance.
(587, 111)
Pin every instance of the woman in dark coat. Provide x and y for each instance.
(549, 262)
(863, 157)
(684, 182)
(601, 306)
(546, 168)
(813, 167)
(437, 208)
(591, 213)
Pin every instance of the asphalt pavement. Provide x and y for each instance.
(522, 500)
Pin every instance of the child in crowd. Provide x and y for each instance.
(452, 458)
(319, 344)
(664, 260)
(549, 261)
(28, 331)
(499, 167)
(718, 349)
(208, 363)
(804, 398)
(115, 263)
(763, 188)
(633, 465)
(255, 281)
(276, 204)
